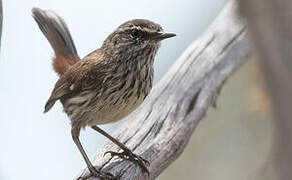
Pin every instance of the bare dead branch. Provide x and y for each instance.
(161, 127)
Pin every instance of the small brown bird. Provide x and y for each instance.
(106, 85)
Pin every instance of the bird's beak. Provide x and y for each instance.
(162, 35)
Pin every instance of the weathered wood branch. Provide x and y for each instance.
(161, 127)
(271, 29)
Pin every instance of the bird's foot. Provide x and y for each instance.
(128, 154)
(99, 174)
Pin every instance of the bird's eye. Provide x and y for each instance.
(137, 34)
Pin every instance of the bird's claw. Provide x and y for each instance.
(127, 154)
(99, 174)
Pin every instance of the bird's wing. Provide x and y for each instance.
(56, 31)
(61, 89)
(85, 74)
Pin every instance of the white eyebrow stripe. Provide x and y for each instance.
(139, 28)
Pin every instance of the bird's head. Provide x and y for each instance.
(136, 35)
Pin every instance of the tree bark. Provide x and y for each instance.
(161, 127)
(271, 29)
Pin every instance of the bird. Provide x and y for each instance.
(106, 85)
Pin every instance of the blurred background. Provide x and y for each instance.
(39, 146)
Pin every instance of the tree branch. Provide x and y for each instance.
(161, 127)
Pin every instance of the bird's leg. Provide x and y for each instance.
(127, 153)
(93, 172)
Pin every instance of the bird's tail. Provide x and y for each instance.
(57, 33)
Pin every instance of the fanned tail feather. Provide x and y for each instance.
(56, 31)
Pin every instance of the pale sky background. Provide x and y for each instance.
(39, 146)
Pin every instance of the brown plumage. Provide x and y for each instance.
(109, 83)
(57, 33)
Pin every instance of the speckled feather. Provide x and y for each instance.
(106, 85)
(112, 81)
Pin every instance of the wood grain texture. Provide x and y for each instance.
(161, 127)
(270, 26)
